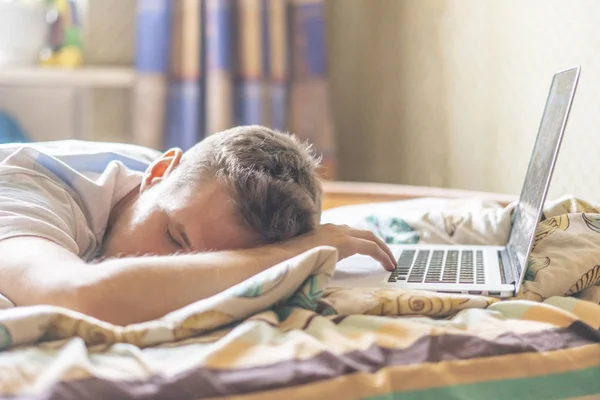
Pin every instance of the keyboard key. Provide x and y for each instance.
(439, 266)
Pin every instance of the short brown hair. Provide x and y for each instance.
(271, 177)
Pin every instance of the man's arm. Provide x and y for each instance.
(122, 290)
(128, 290)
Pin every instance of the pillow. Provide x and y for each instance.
(67, 147)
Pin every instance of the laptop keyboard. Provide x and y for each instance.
(440, 266)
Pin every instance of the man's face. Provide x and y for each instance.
(165, 219)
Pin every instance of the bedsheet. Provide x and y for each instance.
(287, 333)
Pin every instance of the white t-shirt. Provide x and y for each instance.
(64, 191)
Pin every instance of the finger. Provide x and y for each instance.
(368, 235)
(371, 249)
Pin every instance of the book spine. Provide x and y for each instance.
(265, 86)
(310, 115)
(153, 23)
(184, 127)
(308, 39)
(278, 72)
(219, 64)
(248, 85)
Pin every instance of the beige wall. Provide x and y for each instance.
(450, 92)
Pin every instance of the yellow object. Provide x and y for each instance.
(70, 56)
(50, 60)
(62, 6)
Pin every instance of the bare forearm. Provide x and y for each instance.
(130, 290)
(123, 291)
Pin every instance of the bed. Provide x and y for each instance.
(338, 194)
(288, 334)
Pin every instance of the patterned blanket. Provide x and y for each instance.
(287, 334)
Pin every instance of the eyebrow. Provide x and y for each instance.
(184, 235)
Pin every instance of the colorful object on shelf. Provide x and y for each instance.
(65, 42)
(10, 130)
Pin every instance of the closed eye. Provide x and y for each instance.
(172, 239)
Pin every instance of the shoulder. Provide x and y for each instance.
(28, 173)
(37, 204)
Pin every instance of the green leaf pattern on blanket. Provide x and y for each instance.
(392, 230)
(529, 275)
(253, 290)
(535, 265)
(328, 310)
(592, 222)
(260, 284)
(307, 297)
(5, 337)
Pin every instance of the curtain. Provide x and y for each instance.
(208, 65)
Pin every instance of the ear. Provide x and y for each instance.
(161, 168)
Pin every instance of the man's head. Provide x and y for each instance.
(236, 189)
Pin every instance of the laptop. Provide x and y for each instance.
(486, 270)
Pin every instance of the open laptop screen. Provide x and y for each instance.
(537, 180)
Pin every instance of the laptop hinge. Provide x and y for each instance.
(506, 272)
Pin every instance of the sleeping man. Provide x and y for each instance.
(125, 244)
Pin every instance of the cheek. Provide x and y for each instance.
(137, 236)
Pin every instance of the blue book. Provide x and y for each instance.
(276, 35)
(219, 45)
(183, 128)
(308, 39)
(249, 88)
(219, 38)
(153, 27)
(310, 115)
(249, 97)
(184, 101)
(279, 105)
(152, 54)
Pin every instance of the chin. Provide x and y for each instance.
(104, 254)
(110, 251)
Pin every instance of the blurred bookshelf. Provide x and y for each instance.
(57, 103)
(90, 77)
(93, 101)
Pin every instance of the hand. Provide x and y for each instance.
(348, 242)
